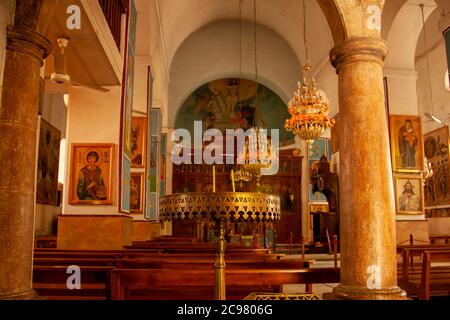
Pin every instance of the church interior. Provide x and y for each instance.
(224, 149)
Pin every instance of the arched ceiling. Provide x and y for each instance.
(212, 53)
(403, 44)
(180, 18)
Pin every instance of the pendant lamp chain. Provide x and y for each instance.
(427, 57)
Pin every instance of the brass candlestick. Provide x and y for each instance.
(219, 266)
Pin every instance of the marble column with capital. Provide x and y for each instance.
(367, 210)
(25, 51)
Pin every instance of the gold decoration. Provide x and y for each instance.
(281, 296)
(257, 154)
(220, 207)
(229, 205)
(309, 111)
(309, 107)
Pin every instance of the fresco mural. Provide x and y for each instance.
(232, 103)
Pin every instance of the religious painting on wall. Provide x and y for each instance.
(138, 142)
(91, 174)
(153, 166)
(335, 147)
(406, 143)
(408, 194)
(48, 164)
(128, 109)
(319, 148)
(232, 103)
(314, 171)
(137, 192)
(437, 186)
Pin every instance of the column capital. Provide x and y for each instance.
(359, 49)
(29, 42)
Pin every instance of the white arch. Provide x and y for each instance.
(404, 34)
(213, 53)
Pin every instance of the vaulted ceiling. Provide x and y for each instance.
(175, 22)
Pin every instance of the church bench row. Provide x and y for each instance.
(176, 284)
(410, 251)
(434, 281)
(435, 237)
(413, 280)
(145, 254)
(171, 262)
(176, 248)
(166, 249)
(50, 280)
(183, 245)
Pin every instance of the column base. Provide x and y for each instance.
(342, 292)
(27, 295)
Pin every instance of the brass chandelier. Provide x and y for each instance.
(256, 153)
(309, 108)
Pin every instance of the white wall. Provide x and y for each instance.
(213, 52)
(438, 65)
(93, 117)
(159, 65)
(441, 97)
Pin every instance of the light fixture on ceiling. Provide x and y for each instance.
(257, 152)
(309, 108)
(241, 175)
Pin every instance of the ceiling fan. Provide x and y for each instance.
(60, 75)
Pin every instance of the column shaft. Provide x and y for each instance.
(367, 219)
(25, 52)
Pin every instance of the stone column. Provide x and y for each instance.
(367, 211)
(25, 52)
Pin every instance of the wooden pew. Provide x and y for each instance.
(411, 273)
(434, 237)
(164, 261)
(409, 252)
(208, 264)
(150, 254)
(50, 272)
(434, 278)
(51, 282)
(45, 242)
(179, 284)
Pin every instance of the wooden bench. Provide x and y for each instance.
(178, 284)
(45, 242)
(409, 252)
(50, 272)
(161, 262)
(434, 278)
(51, 282)
(434, 237)
(411, 273)
(150, 254)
